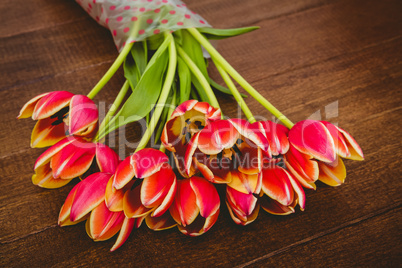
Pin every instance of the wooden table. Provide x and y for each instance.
(341, 60)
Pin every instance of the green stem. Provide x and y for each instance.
(163, 97)
(235, 93)
(201, 78)
(113, 109)
(170, 111)
(236, 76)
(116, 64)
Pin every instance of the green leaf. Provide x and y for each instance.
(155, 41)
(223, 89)
(185, 80)
(178, 37)
(131, 72)
(147, 91)
(135, 63)
(212, 33)
(193, 95)
(140, 55)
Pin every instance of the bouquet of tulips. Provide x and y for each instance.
(260, 164)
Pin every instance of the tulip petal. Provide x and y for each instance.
(339, 141)
(89, 195)
(216, 136)
(124, 174)
(210, 221)
(202, 107)
(160, 223)
(246, 220)
(302, 164)
(251, 132)
(46, 134)
(356, 152)
(132, 206)
(106, 158)
(167, 201)
(207, 197)
(114, 197)
(185, 203)
(49, 153)
(64, 215)
(242, 204)
(158, 190)
(333, 174)
(313, 138)
(250, 159)
(51, 103)
(28, 108)
(44, 178)
(155, 187)
(276, 184)
(188, 156)
(303, 181)
(277, 136)
(299, 192)
(126, 228)
(245, 183)
(199, 226)
(274, 207)
(73, 160)
(103, 223)
(147, 161)
(83, 114)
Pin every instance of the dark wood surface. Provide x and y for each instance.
(308, 55)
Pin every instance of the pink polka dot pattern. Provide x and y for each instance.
(135, 20)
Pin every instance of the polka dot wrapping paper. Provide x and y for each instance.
(135, 20)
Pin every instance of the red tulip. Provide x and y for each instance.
(59, 113)
(67, 159)
(316, 150)
(229, 151)
(87, 201)
(154, 193)
(280, 192)
(196, 206)
(187, 119)
(243, 208)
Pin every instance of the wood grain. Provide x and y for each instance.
(307, 57)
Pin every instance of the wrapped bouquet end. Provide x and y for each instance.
(259, 164)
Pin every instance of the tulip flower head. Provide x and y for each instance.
(196, 206)
(188, 118)
(316, 152)
(59, 114)
(154, 183)
(229, 151)
(69, 158)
